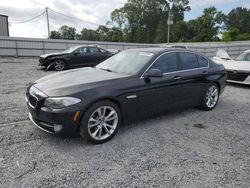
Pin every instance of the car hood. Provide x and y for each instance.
(234, 65)
(52, 54)
(74, 81)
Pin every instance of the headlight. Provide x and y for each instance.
(36, 92)
(60, 102)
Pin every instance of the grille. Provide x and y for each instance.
(32, 101)
(42, 61)
(237, 76)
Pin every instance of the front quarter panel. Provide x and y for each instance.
(117, 91)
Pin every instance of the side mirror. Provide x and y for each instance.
(153, 73)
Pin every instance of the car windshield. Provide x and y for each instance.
(241, 57)
(126, 62)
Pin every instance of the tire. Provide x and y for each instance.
(210, 97)
(100, 122)
(59, 64)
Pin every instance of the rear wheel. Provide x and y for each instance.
(211, 97)
(59, 64)
(100, 122)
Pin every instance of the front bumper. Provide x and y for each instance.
(63, 122)
(45, 127)
(44, 62)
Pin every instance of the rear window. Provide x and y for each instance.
(188, 61)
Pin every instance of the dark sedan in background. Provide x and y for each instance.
(132, 84)
(77, 56)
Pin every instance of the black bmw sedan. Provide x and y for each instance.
(133, 84)
(76, 56)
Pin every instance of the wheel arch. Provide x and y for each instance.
(218, 84)
(107, 98)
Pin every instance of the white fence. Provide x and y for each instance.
(30, 47)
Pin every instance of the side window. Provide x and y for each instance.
(81, 50)
(93, 50)
(188, 61)
(247, 57)
(166, 63)
(202, 61)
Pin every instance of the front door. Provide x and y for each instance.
(79, 57)
(157, 94)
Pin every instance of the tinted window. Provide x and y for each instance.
(81, 50)
(188, 61)
(202, 61)
(94, 50)
(166, 63)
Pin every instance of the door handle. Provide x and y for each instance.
(205, 72)
(177, 78)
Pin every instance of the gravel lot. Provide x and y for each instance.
(188, 148)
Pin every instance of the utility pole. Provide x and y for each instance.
(47, 15)
(170, 22)
(170, 16)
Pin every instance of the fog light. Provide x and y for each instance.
(57, 128)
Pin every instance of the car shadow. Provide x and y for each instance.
(126, 128)
(239, 85)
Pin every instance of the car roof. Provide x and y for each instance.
(80, 46)
(247, 51)
(157, 50)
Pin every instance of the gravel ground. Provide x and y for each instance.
(188, 148)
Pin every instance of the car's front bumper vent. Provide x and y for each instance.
(237, 76)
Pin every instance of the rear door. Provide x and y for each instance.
(194, 69)
(104, 54)
(95, 55)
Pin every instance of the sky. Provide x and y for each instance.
(95, 11)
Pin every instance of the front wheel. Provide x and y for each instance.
(59, 64)
(100, 122)
(211, 97)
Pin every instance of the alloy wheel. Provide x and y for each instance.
(212, 96)
(102, 123)
(59, 65)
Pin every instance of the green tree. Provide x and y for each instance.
(68, 33)
(237, 25)
(144, 20)
(238, 18)
(116, 35)
(104, 33)
(89, 34)
(180, 32)
(55, 35)
(206, 27)
(234, 34)
(161, 32)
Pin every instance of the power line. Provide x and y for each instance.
(19, 22)
(92, 23)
